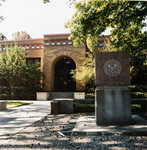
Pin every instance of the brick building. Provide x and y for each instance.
(57, 56)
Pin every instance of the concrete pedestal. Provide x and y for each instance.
(65, 105)
(112, 105)
(3, 105)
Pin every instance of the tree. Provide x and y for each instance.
(12, 64)
(93, 17)
(21, 35)
(46, 1)
(33, 77)
(86, 71)
(126, 18)
(13, 69)
(2, 37)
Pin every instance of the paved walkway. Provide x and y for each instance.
(15, 119)
(86, 125)
(18, 118)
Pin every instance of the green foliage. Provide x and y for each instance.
(90, 96)
(22, 79)
(33, 77)
(92, 17)
(86, 71)
(139, 94)
(12, 64)
(46, 1)
(138, 91)
(138, 88)
(136, 108)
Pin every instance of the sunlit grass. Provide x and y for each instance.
(12, 104)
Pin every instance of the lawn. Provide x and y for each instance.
(91, 108)
(11, 104)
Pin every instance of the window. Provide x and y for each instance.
(63, 43)
(69, 42)
(100, 44)
(47, 43)
(58, 43)
(32, 61)
(52, 43)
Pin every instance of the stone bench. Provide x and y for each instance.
(3, 105)
(53, 95)
(66, 106)
(62, 106)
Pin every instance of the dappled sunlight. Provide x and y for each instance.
(51, 133)
(111, 142)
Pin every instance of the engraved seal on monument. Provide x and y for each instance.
(112, 67)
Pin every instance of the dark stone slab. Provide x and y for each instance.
(112, 68)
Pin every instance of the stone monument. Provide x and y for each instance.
(112, 77)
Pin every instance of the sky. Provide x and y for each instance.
(35, 17)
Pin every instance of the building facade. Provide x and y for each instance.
(57, 56)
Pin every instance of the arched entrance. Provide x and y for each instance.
(63, 79)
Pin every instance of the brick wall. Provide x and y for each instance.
(51, 49)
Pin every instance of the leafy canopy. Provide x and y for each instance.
(2, 37)
(21, 35)
(13, 67)
(46, 1)
(86, 71)
(92, 17)
(12, 62)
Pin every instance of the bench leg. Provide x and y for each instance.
(54, 107)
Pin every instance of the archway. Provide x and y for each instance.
(63, 79)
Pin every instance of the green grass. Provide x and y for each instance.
(84, 108)
(12, 104)
(91, 108)
(136, 108)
